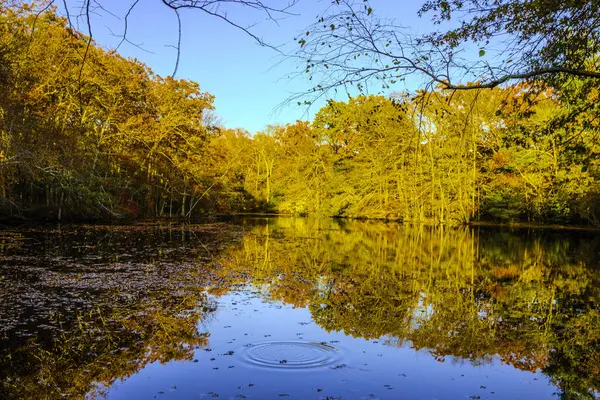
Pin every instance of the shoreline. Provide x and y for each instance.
(18, 222)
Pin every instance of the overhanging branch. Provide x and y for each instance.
(523, 75)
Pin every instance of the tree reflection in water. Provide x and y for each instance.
(84, 307)
(529, 297)
(109, 301)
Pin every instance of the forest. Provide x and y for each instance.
(110, 139)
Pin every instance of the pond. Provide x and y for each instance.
(292, 308)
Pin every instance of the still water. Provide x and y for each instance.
(286, 308)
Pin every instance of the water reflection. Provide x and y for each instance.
(529, 297)
(93, 310)
(82, 307)
(291, 354)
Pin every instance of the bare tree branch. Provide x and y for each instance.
(178, 41)
(523, 75)
(87, 47)
(349, 46)
(214, 8)
(126, 22)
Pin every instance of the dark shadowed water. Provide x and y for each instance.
(298, 309)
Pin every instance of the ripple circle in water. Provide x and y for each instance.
(291, 354)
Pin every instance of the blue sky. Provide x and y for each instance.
(247, 80)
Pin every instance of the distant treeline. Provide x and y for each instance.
(86, 133)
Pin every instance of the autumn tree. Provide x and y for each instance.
(107, 140)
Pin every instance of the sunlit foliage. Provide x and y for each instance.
(107, 138)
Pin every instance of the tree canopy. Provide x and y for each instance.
(479, 44)
(112, 139)
(488, 42)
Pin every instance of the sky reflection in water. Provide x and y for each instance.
(364, 369)
(298, 309)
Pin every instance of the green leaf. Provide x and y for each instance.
(369, 11)
(481, 52)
